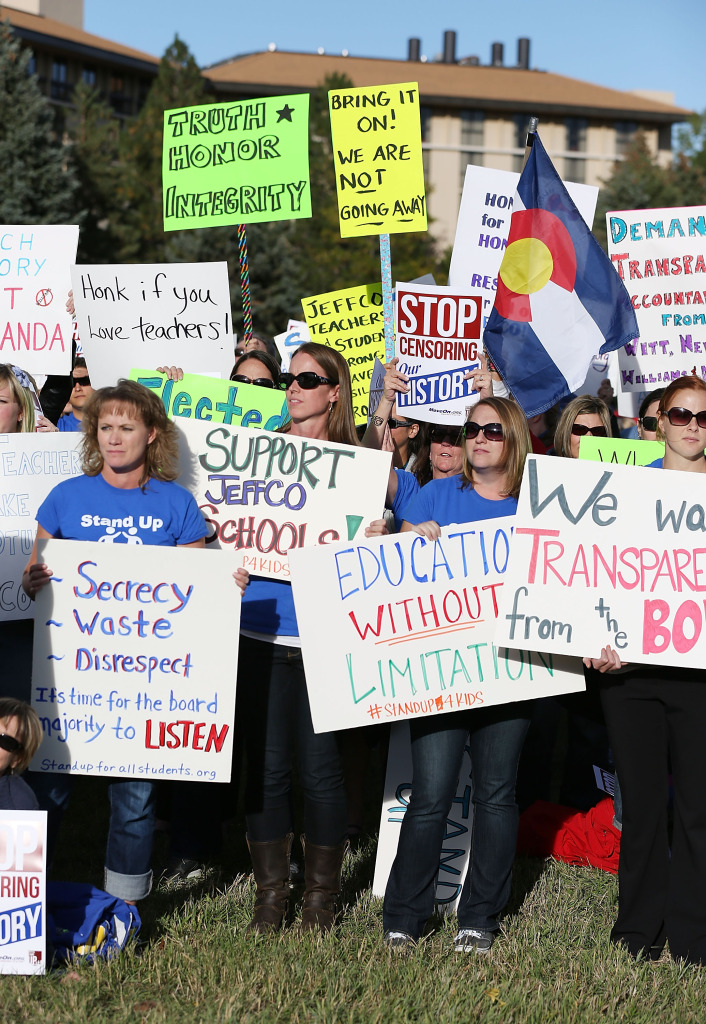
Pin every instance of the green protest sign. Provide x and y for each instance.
(221, 401)
(624, 450)
(242, 162)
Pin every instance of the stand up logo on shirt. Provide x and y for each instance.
(122, 531)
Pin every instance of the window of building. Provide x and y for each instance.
(472, 134)
(32, 65)
(624, 134)
(88, 75)
(59, 86)
(519, 125)
(576, 129)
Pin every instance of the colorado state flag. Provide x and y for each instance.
(559, 300)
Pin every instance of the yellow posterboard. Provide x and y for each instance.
(351, 321)
(377, 155)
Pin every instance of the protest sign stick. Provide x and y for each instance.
(387, 304)
(244, 282)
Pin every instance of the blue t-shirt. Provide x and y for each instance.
(445, 502)
(89, 508)
(69, 424)
(407, 487)
(657, 464)
(16, 795)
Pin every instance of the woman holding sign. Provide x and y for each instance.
(272, 696)
(656, 719)
(129, 460)
(496, 444)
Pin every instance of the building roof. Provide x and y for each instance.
(498, 88)
(35, 28)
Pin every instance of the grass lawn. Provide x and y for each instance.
(552, 961)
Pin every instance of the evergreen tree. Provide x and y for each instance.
(37, 181)
(94, 131)
(179, 83)
(639, 183)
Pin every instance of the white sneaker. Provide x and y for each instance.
(473, 940)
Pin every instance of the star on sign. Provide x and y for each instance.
(285, 114)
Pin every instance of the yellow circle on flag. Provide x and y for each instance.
(527, 266)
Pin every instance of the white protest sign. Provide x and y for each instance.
(135, 661)
(456, 845)
(483, 226)
(30, 466)
(659, 255)
(175, 314)
(23, 908)
(35, 329)
(289, 341)
(608, 554)
(398, 627)
(265, 493)
(438, 341)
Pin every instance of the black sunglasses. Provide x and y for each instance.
(393, 424)
(580, 430)
(85, 382)
(10, 744)
(307, 381)
(649, 423)
(679, 417)
(259, 382)
(439, 434)
(493, 431)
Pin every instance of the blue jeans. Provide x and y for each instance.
(273, 704)
(128, 854)
(495, 736)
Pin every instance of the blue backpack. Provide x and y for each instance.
(85, 922)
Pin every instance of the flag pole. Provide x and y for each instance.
(531, 132)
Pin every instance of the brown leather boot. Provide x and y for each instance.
(270, 863)
(322, 873)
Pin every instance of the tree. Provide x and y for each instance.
(179, 83)
(94, 132)
(37, 180)
(639, 183)
(691, 140)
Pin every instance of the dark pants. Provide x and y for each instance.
(657, 717)
(273, 706)
(495, 743)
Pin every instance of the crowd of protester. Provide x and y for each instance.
(650, 722)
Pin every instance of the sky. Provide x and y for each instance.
(621, 44)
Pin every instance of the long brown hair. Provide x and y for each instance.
(584, 405)
(341, 421)
(517, 443)
(29, 729)
(129, 398)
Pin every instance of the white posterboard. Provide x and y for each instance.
(608, 554)
(438, 342)
(31, 465)
(399, 627)
(135, 662)
(289, 341)
(174, 314)
(35, 329)
(660, 257)
(456, 845)
(264, 494)
(23, 907)
(483, 226)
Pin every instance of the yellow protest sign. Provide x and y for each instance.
(377, 155)
(351, 321)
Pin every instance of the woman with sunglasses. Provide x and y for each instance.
(496, 445)
(647, 415)
(272, 696)
(656, 718)
(258, 368)
(20, 737)
(582, 416)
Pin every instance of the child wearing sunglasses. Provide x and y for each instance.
(20, 736)
(656, 718)
(496, 444)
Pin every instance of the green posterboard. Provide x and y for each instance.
(242, 162)
(221, 401)
(626, 451)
